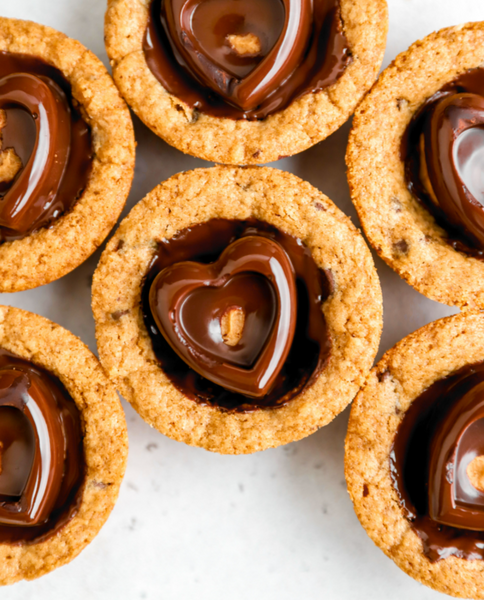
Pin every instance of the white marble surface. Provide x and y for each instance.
(190, 524)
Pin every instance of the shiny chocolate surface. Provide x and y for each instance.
(443, 151)
(46, 131)
(41, 455)
(253, 277)
(441, 434)
(251, 267)
(245, 59)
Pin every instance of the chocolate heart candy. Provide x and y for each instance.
(253, 277)
(44, 135)
(33, 449)
(456, 442)
(454, 160)
(41, 459)
(38, 182)
(201, 32)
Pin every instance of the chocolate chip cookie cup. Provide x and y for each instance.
(63, 446)
(414, 455)
(245, 82)
(66, 155)
(414, 165)
(228, 312)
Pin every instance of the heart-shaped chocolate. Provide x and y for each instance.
(454, 160)
(252, 280)
(456, 442)
(32, 449)
(37, 184)
(202, 32)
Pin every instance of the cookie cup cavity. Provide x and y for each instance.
(105, 441)
(304, 123)
(397, 225)
(353, 311)
(53, 252)
(404, 372)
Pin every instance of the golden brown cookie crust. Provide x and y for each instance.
(105, 442)
(404, 372)
(353, 311)
(306, 122)
(51, 253)
(401, 230)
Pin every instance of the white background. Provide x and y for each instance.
(190, 524)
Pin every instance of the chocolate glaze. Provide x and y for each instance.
(440, 435)
(311, 345)
(41, 453)
(303, 50)
(48, 134)
(443, 150)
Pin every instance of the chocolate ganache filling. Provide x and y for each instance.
(46, 153)
(437, 465)
(443, 150)
(245, 59)
(41, 454)
(234, 312)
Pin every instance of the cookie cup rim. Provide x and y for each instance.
(304, 123)
(403, 373)
(293, 206)
(397, 225)
(105, 440)
(50, 253)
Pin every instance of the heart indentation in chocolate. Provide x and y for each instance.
(236, 34)
(469, 161)
(17, 447)
(456, 442)
(454, 160)
(188, 301)
(33, 454)
(204, 46)
(36, 185)
(259, 310)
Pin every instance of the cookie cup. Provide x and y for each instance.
(402, 375)
(50, 253)
(353, 311)
(396, 223)
(105, 441)
(304, 123)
